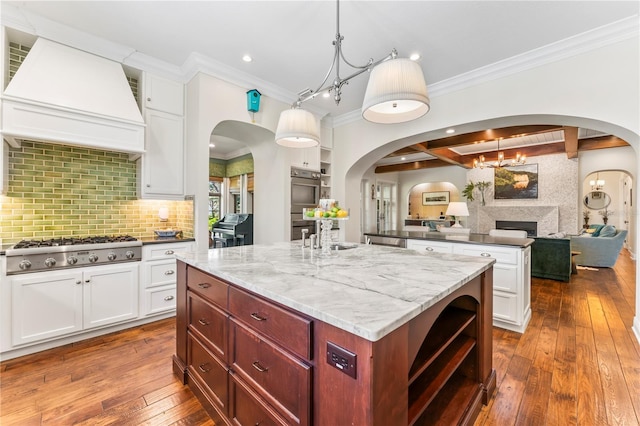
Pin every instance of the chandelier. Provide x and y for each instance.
(598, 184)
(481, 163)
(396, 93)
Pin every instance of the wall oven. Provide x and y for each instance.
(305, 193)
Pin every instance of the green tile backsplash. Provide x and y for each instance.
(57, 190)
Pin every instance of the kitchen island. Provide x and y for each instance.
(371, 335)
(511, 272)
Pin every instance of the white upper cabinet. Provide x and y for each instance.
(161, 168)
(306, 158)
(163, 95)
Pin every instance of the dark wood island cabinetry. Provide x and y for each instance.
(252, 360)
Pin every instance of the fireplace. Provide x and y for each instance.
(530, 227)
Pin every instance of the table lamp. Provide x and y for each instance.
(457, 209)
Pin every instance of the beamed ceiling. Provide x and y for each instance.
(461, 150)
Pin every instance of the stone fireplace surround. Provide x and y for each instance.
(546, 216)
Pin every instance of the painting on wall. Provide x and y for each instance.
(435, 198)
(516, 182)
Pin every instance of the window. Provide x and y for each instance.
(215, 192)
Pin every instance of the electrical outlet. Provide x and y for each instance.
(342, 359)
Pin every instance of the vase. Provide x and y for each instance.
(605, 219)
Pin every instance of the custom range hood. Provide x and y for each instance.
(64, 95)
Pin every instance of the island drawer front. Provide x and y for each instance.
(209, 322)
(209, 371)
(207, 286)
(286, 381)
(247, 408)
(500, 254)
(286, 328)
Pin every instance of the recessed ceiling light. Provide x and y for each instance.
(414, 56)
(403, 158)
(212, 145)
(326, 95)
(247, 58)
(449, 131)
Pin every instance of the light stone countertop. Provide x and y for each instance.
(368, 290)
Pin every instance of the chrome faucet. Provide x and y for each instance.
(304, 237)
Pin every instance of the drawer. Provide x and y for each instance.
(164, 251)
(430, 246)
(159, 273)
(505, 307)
(207, 286)
(209, 371)
(208, 323)
(160, 299)
(286, 328)
(500, 254)
(246, 408)
(286, 381)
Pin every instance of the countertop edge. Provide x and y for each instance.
(477, 239)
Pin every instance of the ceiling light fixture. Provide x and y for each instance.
(598, 184)
(519, 160)
(396, 93)
(247, 58)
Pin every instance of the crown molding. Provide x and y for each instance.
(615, 32)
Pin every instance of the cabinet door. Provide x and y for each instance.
(110, 295)
(162, 164)
(46, 305)
(306, 158)
(163, 95)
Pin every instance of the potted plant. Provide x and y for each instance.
(605, 215)
(480, 186)
(585, 215)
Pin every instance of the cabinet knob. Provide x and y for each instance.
(148, 99)
(87, 280)
(485, 254)
(148, 186)
(257, 317)
(79, 282)
(168, 252)
(203, 322)
(204, 285)
(258, 367)
(169, 272)
(205, 368)
(429, 248)
(168, 298)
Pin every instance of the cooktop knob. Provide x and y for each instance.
(111, 256)
(72, 260)
(50, 262)
(93, 258)
(129, 254)
(25, 264)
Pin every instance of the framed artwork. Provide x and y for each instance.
(437, 198)
(516, 182)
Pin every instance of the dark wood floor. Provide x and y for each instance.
(577, 363)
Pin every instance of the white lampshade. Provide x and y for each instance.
(297, 128)
(457, 209)
(396, 92)
(163, 214)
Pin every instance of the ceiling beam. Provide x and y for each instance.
(571, 141)
(601, 142)
(414, 165)
(488, 135)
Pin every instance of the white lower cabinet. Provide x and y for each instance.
(53, 304)
(511, 278)
(158, 280)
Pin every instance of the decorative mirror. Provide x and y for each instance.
(596, 200)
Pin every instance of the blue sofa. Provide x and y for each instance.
(599, 251)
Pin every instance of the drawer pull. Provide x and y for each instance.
(202, 367)
(168, 298)
(258, 367)
(485, 254)
(257, 317)
(203, 321)
(168, 252)
(169, 272)
(204, 285)
(429, 248)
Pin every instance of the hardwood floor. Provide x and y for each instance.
(577, 363)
